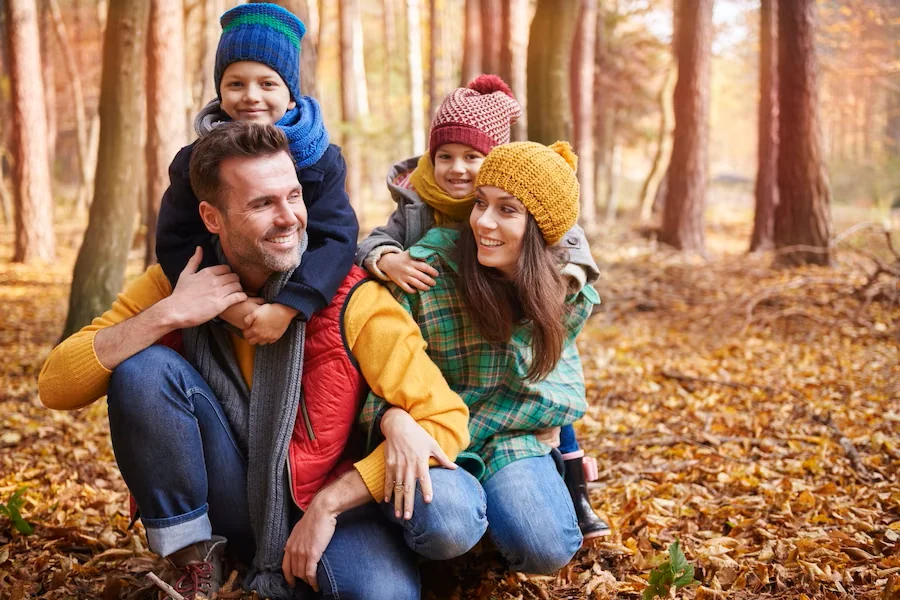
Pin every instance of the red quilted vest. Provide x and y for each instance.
(321, 448)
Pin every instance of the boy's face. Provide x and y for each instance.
(455, 168)
(251, 91)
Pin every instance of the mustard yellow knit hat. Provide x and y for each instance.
(541, 177)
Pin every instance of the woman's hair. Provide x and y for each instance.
(536, 294)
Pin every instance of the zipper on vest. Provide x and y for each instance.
(309, 429)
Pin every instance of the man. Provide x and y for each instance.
(224, 444)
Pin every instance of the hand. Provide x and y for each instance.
(307, 543)
(236, 313)
(548, 436)
(407, 451)
(267, 323)
(406, 272)
(199, 296)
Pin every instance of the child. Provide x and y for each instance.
(439, 188)
(257, 77)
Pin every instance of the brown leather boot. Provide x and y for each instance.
(198, 568)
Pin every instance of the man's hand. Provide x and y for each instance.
(267, 323)
(406, 272)
(307, 543)
(407, 451)
(199, 296)
(236, 313)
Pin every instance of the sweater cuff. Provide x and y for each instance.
(371, 469)
(371, 261)
(576, 277)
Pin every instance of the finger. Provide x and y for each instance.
(426, 268)
(419, 285)
(297, 565)
(228, 278)
(235, 297)
(405, 286)
(409, 492)
(194, 263)
(398, 495)
(442, 458)
(311, 579)
(218, 270)
(425, 481)
(231, 288)
(424, 278)
(286, 568)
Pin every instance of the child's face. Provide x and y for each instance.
(455, 168)
(251, 91)
(498, 221)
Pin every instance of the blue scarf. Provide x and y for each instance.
(302, 124)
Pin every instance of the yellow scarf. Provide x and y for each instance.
(446, 208)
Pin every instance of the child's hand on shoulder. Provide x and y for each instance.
(236, 313)
(406, 272)
(267, 323)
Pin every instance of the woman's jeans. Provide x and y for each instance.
(184, 468)
(525, 508)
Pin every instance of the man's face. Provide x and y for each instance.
(263, 218)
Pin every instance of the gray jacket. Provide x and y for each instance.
(412, 218)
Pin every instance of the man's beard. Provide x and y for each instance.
(251, 253)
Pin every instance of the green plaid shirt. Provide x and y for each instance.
(504, 407)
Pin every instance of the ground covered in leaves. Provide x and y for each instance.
(752, 413)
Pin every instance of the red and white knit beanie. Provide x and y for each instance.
(478, 116)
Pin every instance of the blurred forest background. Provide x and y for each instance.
(740, 173)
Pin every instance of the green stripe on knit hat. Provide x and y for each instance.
(266, 21)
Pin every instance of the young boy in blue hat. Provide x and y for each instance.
(257, 77)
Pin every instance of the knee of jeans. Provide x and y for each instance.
(138, 379)
(545, 556)
(455, 520)
(372, 586)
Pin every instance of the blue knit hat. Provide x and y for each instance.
(265, 33)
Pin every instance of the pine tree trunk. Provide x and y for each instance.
(491, 36)
(438, 59)
(472, 48)
(349, 11)
(416, 87)
(682, 225)
(165, 106)
(583, 50)
(33, 199)
(48, 51)
(767, 124)
(655, 175)
(549, 66)
(803, 214)
(518, 24)
(100, 267)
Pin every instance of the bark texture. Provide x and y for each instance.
(100, 267)
(582, 96)
(682, 226)
(803, 215)
(491, 36)
(414, 58)
(518, 23)
(32, 195)
(471, 62)
(349, 11)
(767, 125)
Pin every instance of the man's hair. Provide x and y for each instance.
(233, 139)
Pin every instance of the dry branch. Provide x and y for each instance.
(168, 589)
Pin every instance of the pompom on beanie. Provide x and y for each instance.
(542, 178)
(478, 115)
(264, 33)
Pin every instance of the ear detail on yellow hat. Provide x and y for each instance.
(564, 149)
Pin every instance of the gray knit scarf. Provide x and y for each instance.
(262, 419)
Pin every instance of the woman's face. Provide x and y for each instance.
(455, 168)
(498, 221)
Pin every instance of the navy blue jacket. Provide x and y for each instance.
(332, 228)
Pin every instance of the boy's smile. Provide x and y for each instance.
(251, 91)
(455, 168)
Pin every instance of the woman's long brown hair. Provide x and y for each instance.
(537, 294)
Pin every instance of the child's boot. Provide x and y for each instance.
(591, 525)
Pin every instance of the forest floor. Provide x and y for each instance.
(752, 413)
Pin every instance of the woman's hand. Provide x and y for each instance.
(548, 436)
(407, 451)
(406, 272)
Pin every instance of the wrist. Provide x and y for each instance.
(166, 315)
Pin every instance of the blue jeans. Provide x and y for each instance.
(182, 464)
(524, 506)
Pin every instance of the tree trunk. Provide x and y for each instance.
(35, 240)
(439, 59)
(165, 114)
(603, 109)
(803, 215)
(49, 77)
(549, 65)
(349, 11)
(654, 177)
(518, 25)
(416, 88)
(583, 50)
(101, 262)
(472, 48)
(767, 125)
(491, 36)
(310, 44)
(682, 225)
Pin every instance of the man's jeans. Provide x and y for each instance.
(181, 462)
(525, 508)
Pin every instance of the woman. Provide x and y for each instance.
(501, 327)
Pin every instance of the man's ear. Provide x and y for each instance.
(212, 217)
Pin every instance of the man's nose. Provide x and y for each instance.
(285, 215)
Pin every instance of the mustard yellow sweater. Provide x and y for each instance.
(385, 341)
